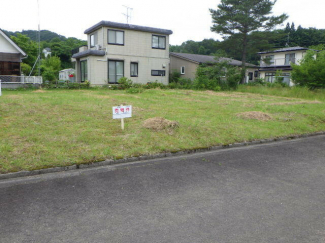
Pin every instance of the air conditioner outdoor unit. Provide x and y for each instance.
(98, 47)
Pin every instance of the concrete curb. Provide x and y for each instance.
(156, 156)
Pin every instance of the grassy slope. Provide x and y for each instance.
(59, 128)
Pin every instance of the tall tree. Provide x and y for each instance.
(242, 17)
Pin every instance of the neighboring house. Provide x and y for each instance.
(186, 64)
(64, 74)
(47, 52)
(10, 56)
(118, 50)
(280, 60)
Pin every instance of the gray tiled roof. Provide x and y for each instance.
(128, 27)
(296, 48)
(89, 53)
(207, 59)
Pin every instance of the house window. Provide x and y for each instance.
(83, 70)
(182, 70)
(134, 69)
(290, 58)
(269, 77)
(93, 40)
(10, 68)
(115, 70)
(158, 42)
(116, 37)
(250, 76)
(255, 74)
(157, 72)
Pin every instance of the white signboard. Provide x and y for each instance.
(120, 112)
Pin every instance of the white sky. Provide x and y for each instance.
(189, 20)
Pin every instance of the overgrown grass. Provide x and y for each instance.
(294, 92)
(65, 127)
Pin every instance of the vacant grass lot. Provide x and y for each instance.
(41, 129)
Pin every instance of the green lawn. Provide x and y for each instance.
(66, 127)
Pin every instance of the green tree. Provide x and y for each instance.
(311, 71)
(241, 17)
(28, 46)
(50, 68)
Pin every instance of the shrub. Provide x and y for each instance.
(220, 76)
(174, 76)
(125, 83)
(311, 71)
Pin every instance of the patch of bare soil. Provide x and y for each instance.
(39, 91)
(14, 96)
(235, 95)
(297, 103)
(257, 115)
(159, 123)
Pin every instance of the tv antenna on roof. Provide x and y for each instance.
(128, 16)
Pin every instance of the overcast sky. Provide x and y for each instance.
(189, 20)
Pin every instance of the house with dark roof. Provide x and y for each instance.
(186, 64)
(10, 56)
(280, 61)
(118, 50)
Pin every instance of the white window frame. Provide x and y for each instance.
(183, 70)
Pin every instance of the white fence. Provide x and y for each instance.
(6, 79)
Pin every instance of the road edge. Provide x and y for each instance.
(155, 156)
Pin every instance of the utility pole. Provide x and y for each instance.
(39, 41)
(127, 15)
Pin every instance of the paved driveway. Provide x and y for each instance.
(265, 193)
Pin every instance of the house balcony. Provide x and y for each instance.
(277, 62)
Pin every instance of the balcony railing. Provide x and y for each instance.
(277, 62)
(6, 79)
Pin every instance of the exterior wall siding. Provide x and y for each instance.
(137, 48)
(190, 67)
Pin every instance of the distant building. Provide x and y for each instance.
(280, 60)
(47, 52)
(66, 73)
(186, 64)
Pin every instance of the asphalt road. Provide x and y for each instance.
(265, 193)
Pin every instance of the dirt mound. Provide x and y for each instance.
(159, 123)
(39, 91)
(257, 115)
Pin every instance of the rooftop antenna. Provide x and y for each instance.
(127, 15)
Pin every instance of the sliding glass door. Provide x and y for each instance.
(115, 71)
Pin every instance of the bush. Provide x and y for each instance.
(174, 76)
(311, 71)
(125, 83)
(220, 76)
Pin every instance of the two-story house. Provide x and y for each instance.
(118, 50)
(280, 61)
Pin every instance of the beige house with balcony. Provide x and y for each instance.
(186, 64)
(118, 50)
(280, 60)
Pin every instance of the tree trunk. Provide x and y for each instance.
(243, 66)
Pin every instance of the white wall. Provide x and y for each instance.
(6, 46)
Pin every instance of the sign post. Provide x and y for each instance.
(121, 112)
